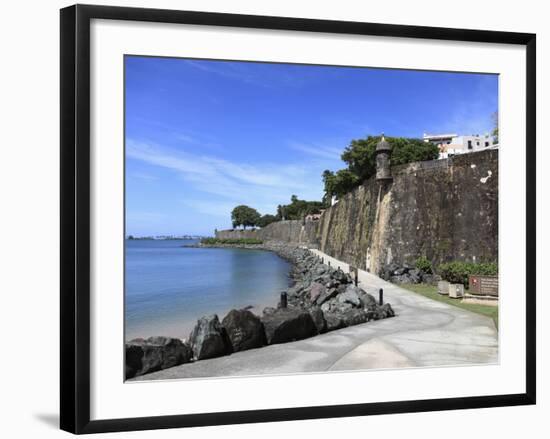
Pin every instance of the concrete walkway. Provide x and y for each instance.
(423, 333)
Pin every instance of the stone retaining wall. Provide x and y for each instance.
(442, 209)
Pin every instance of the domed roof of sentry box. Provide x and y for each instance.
(383, 145)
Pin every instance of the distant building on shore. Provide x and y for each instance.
(453, 144)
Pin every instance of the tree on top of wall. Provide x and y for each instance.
(360, 157)
(298, 209)
(267, 219)
(244, 216)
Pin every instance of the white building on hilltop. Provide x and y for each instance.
(453, 144)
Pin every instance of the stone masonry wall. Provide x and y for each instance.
(443, 209)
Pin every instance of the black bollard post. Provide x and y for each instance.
(356, 277)
(329, 263)
(322, 260)
(284, 301)
(381, 297)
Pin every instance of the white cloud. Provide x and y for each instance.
(263, 75)
(229, 183)
(318, 150)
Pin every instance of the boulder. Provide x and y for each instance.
(354, 316)
(288, 324)
(334, 321)
(399, 271)
(381, 312)
(325, 307)
(392, 268)
(209, 339)
(318, 319)
(401, 279)
(351, 296)
(319, 270)
(244, 330)
(340, 307)
(367, 300)
(323, 279)
(415, 275)
(327, 295)
(316, 290)
(340, 276)
(155, 353)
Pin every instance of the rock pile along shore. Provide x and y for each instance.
(407, 274)
(321, 299)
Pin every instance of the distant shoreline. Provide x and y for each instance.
(164, 238)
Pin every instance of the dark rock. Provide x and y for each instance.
(392, 268)
(339, 307)
(399, 271)
(325, 307)
(415, 276)
(385, 273)
(327, 295)
(381, 312)
(339, 275)
(175, 351)
(209, 339)
(323, 279)
(316, 290)
(354, 317)
(288, 324)
(367, 300)
(351, 296)
(387, 311)
(155, 353)
(318, 319)
(334, 321)
(401, 279)
(319, 270)
(244, 330)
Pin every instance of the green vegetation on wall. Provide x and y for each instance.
(298, 209)
(231, 241)
(360, 157)
(266, 220)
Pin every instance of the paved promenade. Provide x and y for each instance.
(423, 333)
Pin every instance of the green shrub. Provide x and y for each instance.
(423, 264)
(231, 241)
(457, 272)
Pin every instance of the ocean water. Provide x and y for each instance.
(168, 287)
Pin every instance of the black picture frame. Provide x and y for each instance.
(75, 217)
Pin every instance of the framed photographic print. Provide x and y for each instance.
(284, 218)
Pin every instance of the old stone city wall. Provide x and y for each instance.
(442, 209)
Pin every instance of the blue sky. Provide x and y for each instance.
(205, 136)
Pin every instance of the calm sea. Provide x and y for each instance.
(168, 287)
